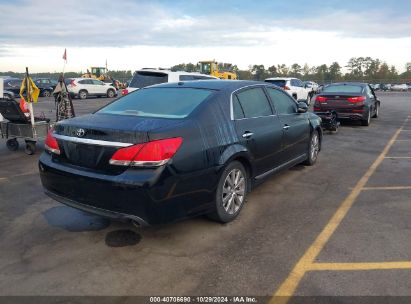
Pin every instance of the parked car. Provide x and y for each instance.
(385, 87)
(178, 150)
(147, 77)
(409, 86)
(12, 85)
(8, 94)
(85, 87)
(294, 87)
(350, 100)
(375, 86)
(46, 85)
(312, 87)
(399, 87)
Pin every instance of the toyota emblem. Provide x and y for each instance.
(80, 132)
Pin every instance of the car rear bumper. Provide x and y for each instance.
(150, 196)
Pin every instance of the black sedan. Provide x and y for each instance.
(180, 150)
(14, 84)
(349, 100)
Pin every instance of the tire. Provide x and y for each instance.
(12, 144)
(30, 148)
(366, 122)
(83, 94)
(377, 111)
(110, 93)
(46, 93)
(313, 149)
(229, 202)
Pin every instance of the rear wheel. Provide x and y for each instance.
(82, 94)
(366, 122)
(30, 148)
(377, 111)
(12, 144)
(110, 93)
(313, 149)
(231, 193)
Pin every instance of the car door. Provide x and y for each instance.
(372, 98)
(295, 126)
(257, 127)
(99, 87)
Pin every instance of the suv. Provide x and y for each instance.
(84, 87)
(294, 87)
(147, 77)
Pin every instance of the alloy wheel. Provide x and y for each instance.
(314, 146)
(233, 191)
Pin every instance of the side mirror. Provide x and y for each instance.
(302, 107)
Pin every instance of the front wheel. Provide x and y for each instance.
(231, 193)
(12, 144)
(313, 149)
(46, 93)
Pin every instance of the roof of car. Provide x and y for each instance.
(281, 78)
(350, 83)
(214, 84)
(174, 72)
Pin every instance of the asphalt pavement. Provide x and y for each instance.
(339, 228)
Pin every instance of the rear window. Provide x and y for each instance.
(278, 83)
(145, 79)
(343, 89)
(175, 103)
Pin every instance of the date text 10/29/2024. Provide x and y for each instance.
(199, 299)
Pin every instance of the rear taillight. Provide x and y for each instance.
(151, 154)
(356, 99)
(72, 84)
(286, 88)
(321, 99)
(124, 92)
(51, 143)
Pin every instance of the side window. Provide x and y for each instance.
(237, 109)
(186, 77)
(283, 103)
(369, 92)
(254, 103)
(96, 82)
(84, 81)
(300, 83)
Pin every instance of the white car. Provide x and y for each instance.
(399, 87)
(147, 77)
(84, 87)
(312, 86)
(293, 86)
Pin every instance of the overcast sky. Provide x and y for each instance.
(160, 33)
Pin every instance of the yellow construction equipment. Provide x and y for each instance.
(99, 73)
(211, 68)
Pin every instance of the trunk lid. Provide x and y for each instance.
(90, 141)
(339, 102)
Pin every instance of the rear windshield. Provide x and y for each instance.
(343, 89)
(144, 79)
(278, 83)
(175, 103)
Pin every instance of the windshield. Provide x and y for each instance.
(343, 89)
(175, 103)
(145, 79)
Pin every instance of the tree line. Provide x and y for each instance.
(365, 69)
(358, 69)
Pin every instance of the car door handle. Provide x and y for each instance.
(247, 134)
(286, 127)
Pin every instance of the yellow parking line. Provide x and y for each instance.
(387, 188)
(359, 266)
(288, 287)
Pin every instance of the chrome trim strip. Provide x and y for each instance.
(295, 160)
(90, 141)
